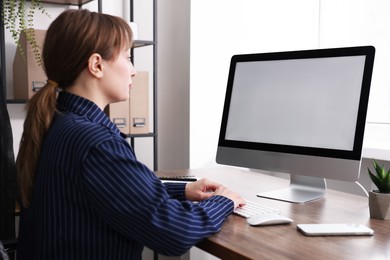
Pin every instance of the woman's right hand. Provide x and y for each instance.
(235, 197)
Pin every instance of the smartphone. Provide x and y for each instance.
(347, 229)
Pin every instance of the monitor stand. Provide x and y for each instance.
(301, 189)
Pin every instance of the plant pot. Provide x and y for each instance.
(379, 204)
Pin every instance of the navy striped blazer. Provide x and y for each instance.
(92, 199)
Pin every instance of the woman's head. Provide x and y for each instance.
(74, 36)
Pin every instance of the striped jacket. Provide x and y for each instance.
(93, 199)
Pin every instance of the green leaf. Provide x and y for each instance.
(381, 177)
(386, 183)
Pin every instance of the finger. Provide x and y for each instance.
(209, 183)
(206, 195)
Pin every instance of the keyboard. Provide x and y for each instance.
(178, 178)
(253, 208)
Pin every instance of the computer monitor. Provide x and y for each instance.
(297, 112)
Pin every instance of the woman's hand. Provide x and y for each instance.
(204, 189)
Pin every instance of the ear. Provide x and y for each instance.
(95, 65)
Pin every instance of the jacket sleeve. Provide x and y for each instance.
(176, 190)
(130, 198)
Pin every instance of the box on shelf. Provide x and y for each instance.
(132, 116)
(28, 75)
(119, 114)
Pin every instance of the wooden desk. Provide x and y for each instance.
(238, 240)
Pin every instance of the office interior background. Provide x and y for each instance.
(196, 40)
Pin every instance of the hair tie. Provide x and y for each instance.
(52, 82)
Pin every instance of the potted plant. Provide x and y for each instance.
(379, 200)
(18, 19)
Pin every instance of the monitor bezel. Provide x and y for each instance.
(355, 153)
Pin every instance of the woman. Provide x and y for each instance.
(84, 194)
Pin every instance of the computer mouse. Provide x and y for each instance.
(268, 219)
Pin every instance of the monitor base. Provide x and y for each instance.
(302, 189)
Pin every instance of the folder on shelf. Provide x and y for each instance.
(132, 116)
(28, 75)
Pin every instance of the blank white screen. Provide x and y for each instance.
(299, 102)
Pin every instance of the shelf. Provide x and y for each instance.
(140, 43)
(67, 2)
(16, 101)
(140, 135)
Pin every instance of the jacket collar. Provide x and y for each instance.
(67, 102)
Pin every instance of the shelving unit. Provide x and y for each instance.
(153, 43)
(68, 2)
(137, 44)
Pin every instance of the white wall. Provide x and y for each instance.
(240, 27)
(221, 28)
(173, 83)
(361, 22)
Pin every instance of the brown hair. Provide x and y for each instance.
(70, 40)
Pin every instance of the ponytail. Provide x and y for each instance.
(40, 112)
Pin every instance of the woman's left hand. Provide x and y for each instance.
(200, 190)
